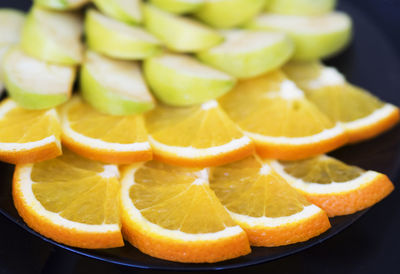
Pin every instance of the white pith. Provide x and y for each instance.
(11, 23)
(195, 153)
(242, 41)
(122, 77)
(332, 188)
(25, 183)
(35, 76)
(209, 104)
(329, 23)
(153, 229)
(268, 222)
(96, 143)
(281, 140)
(14, 147)
(134, 33)
(328, 77)
(184, 64)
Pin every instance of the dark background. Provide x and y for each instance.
(370, 245)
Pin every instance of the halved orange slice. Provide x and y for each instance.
(337, 188)
(264, 205)
(71, 200)
(103, 137)
(171, 213)
(281, 121)
(197, 136)
(28, 136)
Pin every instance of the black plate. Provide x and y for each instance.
(370, 62)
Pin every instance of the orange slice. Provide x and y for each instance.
(280, 120)
(28, 136)
(103, 137)
(71, 200)
(332, 185)
(361, 114)
(264, 205)
(171, 213)
(197, 136)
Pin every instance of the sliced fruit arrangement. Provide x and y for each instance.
(270, 211)
(179, 33)
(103, 137)
(181, 80)
(114, 86)
(171, 213)
(197, 136)
(42, 37)
(246, 53)
(229, 13)
(11, 22)
(361, 114)
(118, 39)
(128, 11)
(36, 84)
(273, 112)
(315, 37)
(71, 200)
(178, 6)
(337, 188)
(28, 136)
(61, 5)
(300, 7)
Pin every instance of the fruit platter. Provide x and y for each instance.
(181, 134)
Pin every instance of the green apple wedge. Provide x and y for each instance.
(315, 37)
(53, 36)
(179, 33)
(61, 4)
(3, 49)
(36, 84)
(178, 6)
(301, 7)
(181, 80)
(11, 22)
(248, 53)
(114, 86)
(117, 39)
(128, 11)
(229, 13)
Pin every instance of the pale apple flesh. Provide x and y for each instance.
(128, 11)
(11, 22)
(179, 33)
(178, 6)
(53, 36)
(300, 7)
(36, 84)
(181, 80)
(315, 37)
(246, 53)
(113, 86)
(117, 39)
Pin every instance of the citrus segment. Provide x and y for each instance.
(264, 205)
(171, 213)
(362, 114)
(103, 137)
(281, 121)
(201, 136)
(28, 136)
(337, 188)
(71, 200)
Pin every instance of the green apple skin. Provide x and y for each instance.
(177, 33)
(313, 46)
(36, 43)
(229, 13)
(250, 64)
(61, 4)
(107, 101)
(301, 7)
(178, 6)
(113, 9)
(101, 39)
(179, 89)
